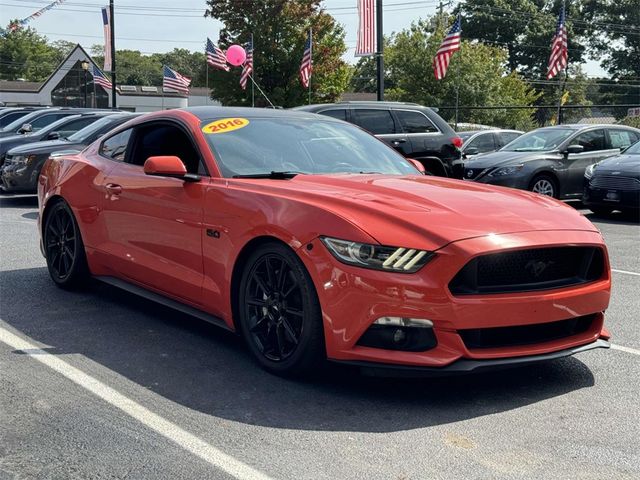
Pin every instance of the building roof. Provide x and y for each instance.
(19, 86)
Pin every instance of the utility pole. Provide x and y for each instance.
(380, 53)
(114, 102)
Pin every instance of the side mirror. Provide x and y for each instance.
(471, 151)
(574, 149)
(26, 128)
(168, 166)
(418, 165)
(53, 136)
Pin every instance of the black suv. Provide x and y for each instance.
(415, 131)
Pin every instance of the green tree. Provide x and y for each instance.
(190, 64)
(280, 28)
(477, 76)
(26, 54)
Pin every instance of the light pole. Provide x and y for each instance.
(85, 67)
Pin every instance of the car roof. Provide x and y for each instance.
(209, 112)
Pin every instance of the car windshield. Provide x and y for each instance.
(633, 149)
(545, 139)
(87, 132)
(262, 145)
(16, 124)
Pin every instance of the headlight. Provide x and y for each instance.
(588, 173)
(21, 159)
(394, 259)
(506, 171)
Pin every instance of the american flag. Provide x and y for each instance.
(448, 47)
(247, 68)
(559, 53)
(172, 79)
(366, 31)
(100, 79)
(306, 67)
(106, 27)
(215, 56)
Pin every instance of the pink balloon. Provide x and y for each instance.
(236, 55)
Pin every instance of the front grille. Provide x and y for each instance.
(497, 337)
(527, 270)
(614, 182)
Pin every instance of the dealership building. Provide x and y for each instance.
(71, 85)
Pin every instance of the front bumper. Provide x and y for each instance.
(353, 298)
(18, 178)
(598, 197)
(463, 367)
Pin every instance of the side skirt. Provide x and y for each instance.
(167, 302)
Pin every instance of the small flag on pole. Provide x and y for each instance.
(100, 79)
(306, 67)
(215, 56)
(247, 68)
(173, 80)
(106, 28)
(559, 52)
(366, 45)
(448, 47)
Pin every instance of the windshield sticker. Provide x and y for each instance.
(225, 125)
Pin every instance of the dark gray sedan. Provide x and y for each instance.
(551, 160)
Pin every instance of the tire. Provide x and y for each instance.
(279, 313)
(64, 249)
(544, 185)
(601, 211)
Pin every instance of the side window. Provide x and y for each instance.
(339, 114)
(10, 117)
(163, 139)
(621, 138)
(415, 122)
(483, 143)
(591, 141)
(45, 120)
(507, 137)
(115, 147)
(75, 125)
(378, 122)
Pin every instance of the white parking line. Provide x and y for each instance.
(164, 427)
(625, 349)
(625, 272)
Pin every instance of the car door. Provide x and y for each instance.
(595, 149)
(424, 136)
(154, 223)
(381, 123)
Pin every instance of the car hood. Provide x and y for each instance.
(426, 212)
(39, 148)
(628, 165)
(503, 158)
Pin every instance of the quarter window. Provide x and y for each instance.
(378, 122)
(115, 147)
(415, 122)
(591, 141)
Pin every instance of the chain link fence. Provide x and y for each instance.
(530, 117)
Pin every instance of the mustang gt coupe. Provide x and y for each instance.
(315, 240)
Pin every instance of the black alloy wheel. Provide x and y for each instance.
(66, 259)
(279, 311)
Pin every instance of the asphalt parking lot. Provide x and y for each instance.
(101, 384)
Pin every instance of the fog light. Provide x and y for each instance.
(400, 333)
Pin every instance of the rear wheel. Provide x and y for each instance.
(64, 250)
(279, 313)
(544, 185)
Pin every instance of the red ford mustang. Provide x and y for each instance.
(315, 240)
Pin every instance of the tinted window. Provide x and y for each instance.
(10, 117)
(377, 122)
(507, 137)
(160, 139)
(482, 143)
(339, 114)
(115, 147)
(415, 122)
(45, 120)
(622, 138)
(90, 133)
(591, 141)
(75, 125)
(302, 145)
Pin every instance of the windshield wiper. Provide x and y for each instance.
(273, 175)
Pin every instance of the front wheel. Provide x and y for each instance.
(544, 185)
(64, 250)
(279, 313)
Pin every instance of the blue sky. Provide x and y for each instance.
(164, 27)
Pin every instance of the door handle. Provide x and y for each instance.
(113, 189)
(398, 142)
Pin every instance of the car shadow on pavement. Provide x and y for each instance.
(18, 201)
(615, 218)
(207, 369)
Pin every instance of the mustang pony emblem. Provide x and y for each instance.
(536, 267)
